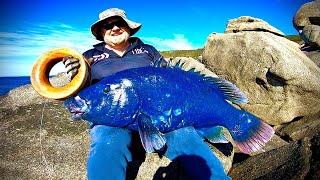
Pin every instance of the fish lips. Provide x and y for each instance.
(77, 107)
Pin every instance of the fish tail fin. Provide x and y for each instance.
(251, 133)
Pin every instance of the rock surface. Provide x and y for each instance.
(288, 162)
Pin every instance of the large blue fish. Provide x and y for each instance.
(154, 101)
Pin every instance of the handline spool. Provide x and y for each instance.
(41, 69)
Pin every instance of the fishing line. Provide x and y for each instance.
(84, 134)
(42, 155)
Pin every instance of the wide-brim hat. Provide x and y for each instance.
(112, 12)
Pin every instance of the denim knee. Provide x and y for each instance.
(109, 152)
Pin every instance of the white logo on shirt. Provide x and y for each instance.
(140, 50)
(100, 56)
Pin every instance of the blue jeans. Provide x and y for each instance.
(109, 153)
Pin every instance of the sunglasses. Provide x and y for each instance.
(110, 25)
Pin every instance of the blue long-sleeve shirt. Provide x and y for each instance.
(107, 62)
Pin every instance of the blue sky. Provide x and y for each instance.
(30, 27)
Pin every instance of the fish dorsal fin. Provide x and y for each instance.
(151, 138)
(229, 90)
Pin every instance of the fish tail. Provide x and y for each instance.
(251, 133)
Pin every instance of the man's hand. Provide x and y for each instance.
(72, 65)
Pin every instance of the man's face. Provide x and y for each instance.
(115, 31)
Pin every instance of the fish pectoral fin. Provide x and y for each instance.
(151, 138)
(213, 134)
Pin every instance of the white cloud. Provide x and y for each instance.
(39, 38)
(179, 42)
(22, 48)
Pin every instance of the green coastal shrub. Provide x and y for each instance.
(197, 52)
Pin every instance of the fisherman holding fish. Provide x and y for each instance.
(111, 141)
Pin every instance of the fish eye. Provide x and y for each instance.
(106, 90)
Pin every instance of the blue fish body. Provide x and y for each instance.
(155, 101)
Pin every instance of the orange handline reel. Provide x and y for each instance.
(41, 69)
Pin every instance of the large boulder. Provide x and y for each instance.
(307, 22)
(280, 81)
(247, 23)
(308, 14)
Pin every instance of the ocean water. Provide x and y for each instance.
(9, 83)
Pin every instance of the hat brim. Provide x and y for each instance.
(95, 28)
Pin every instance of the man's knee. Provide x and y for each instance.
(108, 141)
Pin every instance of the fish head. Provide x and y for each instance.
(114, 103)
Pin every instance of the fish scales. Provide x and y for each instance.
(175, 96)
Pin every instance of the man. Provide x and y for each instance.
(109, 151)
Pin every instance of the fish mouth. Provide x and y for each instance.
(77, 107)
